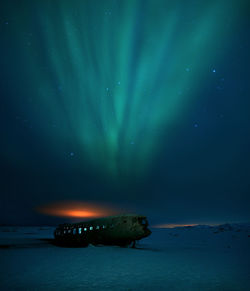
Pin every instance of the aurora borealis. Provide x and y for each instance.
(107, 85)
(112, 75)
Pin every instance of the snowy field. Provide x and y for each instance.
(187, 258)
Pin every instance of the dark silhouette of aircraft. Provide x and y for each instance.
(121, 230)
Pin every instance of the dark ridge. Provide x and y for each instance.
(5, 246)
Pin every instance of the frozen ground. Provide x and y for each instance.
(196, 258)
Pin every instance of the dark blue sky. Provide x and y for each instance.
(200, 172)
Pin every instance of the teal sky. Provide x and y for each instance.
(140, 104)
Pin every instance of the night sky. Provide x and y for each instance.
(140, 105)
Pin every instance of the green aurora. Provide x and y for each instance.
(109, 77)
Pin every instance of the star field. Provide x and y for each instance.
(134, 99)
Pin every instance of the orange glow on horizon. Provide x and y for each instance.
(76, 209)
(80, 213)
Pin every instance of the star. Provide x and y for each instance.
(214, 71)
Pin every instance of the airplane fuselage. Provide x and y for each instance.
(113, 230)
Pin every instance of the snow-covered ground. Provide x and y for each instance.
(187, 258)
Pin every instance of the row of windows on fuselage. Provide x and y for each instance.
(79, 230)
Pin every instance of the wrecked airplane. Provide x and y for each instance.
(121, 230)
